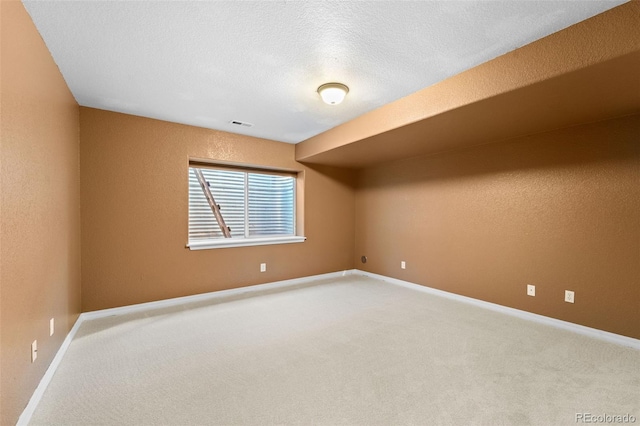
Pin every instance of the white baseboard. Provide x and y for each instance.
(221, 294)
(576, 328)
(26, 415)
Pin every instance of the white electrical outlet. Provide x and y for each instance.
(403, 264)
(531, 290)
(569, 296)
(34, 350)
(52, 326)
(263, 267)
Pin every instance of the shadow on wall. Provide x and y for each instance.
(341, 175)
(556, 209)
(559, 149)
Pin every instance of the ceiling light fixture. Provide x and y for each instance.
(333, 93)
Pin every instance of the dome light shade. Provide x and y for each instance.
(333, 93)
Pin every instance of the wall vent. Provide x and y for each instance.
(241, 123)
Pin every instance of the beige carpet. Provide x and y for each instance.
(353, 350)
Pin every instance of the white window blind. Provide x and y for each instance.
(251, 204)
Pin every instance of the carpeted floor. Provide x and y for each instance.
(353, 351)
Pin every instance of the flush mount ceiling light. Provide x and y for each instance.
(333, 93)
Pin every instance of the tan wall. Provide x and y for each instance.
(135, 213)
(559, 210)
(40, 234)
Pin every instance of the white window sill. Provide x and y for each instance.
(243, 242)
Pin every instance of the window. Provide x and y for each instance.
(231, 207)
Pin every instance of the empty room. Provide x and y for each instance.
(320, 213)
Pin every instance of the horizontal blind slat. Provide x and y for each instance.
(269, 200)
(271, 209)
(227, 188)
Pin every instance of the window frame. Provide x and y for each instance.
(214, 243)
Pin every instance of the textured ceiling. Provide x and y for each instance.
(208, 63)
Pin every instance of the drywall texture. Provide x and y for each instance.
(581, 74)
(135, 213)
(558, 210)
(40, 235)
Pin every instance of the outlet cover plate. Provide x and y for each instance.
(569, 296)
(531, 290)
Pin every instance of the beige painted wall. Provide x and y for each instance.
(558, 210)
(134, 213)
(40, 234)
